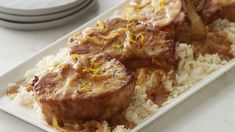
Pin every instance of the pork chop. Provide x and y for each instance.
(160, 13)
(126, 40)
(210, 10)
(91, 87)
(191, 25)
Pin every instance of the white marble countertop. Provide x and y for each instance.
(211, 109)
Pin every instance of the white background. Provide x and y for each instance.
(210, 110)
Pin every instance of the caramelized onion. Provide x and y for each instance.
(198, 28)
(94, 40)
(115, 33)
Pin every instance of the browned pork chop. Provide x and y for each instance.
(126, 40)
(160, 13)
(92, 87)
(178, 17)
(210, 10)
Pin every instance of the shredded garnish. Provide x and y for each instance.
(162, 3)
(74, 57)
(136, 37)
(84, 89)
(132, 37)
(160, 11)
(94, 40)
(118, 46)
(95, 68)
(140, 6)
(84, 40)
(93, 61)
(94, 71)
(114, 33)
(152, 10)
(130, 23)
(140, 37)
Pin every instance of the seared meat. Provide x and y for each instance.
(105, 37)
(126, 41)
(92, 87)
(191, 27)
(160, 13)
(178, 17)
(210, 10)
(185, 19)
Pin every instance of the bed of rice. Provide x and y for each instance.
(190, 71)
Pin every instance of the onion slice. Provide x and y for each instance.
(198, 28)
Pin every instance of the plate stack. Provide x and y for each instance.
(38, 14)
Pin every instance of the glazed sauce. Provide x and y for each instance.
(92, 125)
(158, 95)
(152, 80)
(13, 89)
(120, 120)
(214, 43)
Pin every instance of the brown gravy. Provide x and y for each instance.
(13, 90)
(158, 95)
(214, 43)
(156, 91)
(121, 120)
(92, 125)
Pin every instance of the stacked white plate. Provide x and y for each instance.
(38, 14)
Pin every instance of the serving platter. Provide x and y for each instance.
(86, 6)
(36, 7)
(42, 18)
(30, 116)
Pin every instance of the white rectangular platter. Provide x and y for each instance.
(30, 116)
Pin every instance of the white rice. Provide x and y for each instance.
(49, 63)
(121, 128)
(24, 97)
(141, 107)
(190, 71)
(229, 28)
(27, 98)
